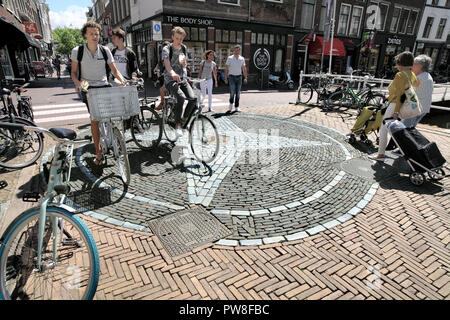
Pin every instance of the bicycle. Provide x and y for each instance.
(110, 107)
(203, 134)
(319, 85)
(146, 127)
(348, 98)
(18, 148)
(23, 108)
(48, 252)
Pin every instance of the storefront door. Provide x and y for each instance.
(5, 63)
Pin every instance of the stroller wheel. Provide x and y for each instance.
(352, 138)
(368, 142)
(363, 137)
(436, 174)
(417, 178)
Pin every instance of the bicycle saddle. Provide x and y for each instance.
(371, 85)
(6, 91)
(64, 133)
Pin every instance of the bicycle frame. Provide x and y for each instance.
(106, 133)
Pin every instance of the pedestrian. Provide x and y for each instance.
(424, 91)
(159, 71)
(57, 63)
(234, 70)
(208, 68)
(404, 62)
(93, 63)
(124, 57)
(175, 64)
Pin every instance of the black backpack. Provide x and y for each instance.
(161, 62)
(80, 57)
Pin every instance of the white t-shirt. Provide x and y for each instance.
(121, 61)
(235, 65)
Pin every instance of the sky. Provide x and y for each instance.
(68, 13)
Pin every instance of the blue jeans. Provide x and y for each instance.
(235, 89)
(412, 122)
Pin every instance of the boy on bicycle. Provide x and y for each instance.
(174, 57)
(96, 61)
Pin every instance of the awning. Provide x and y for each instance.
(315, 48)
(12, 34)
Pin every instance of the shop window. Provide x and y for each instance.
(428, 26)
(403, 20)
(411, 22)
(218, 35)
(279, 61)
(434, 55)
(239, 37)
(283, 40)
(223, 51)
(266, 39)
(225, 36)
(307, 18)
(344, 16)
(253, 39)
(194, 34)
(356, 21)
(271, 40)
(195, 51)
(233, 2)
(188, 33)
(395, 18)
(232, 36)
(5, 63)
(440, 30)
(202, 34)
(260, 38)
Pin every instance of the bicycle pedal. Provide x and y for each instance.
(31, 197)
(71, 242)
(3, 184)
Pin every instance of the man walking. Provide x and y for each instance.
(234, 70)
(57, 64)
(424, 91)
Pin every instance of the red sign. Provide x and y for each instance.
(31, 27)
(39, 68)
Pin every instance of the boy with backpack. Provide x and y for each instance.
(124, 57)
(174, 58)
(93, 63)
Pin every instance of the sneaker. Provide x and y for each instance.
(230, 108)
(210, 110)
(237, 109)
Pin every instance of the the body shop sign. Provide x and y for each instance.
(189, 20)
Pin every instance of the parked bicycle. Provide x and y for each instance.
(48, 252)
(111, 106)
(146, 127)
(203, 134)
(348, 98)
(23, 108)
(320, 85)
(18, 148)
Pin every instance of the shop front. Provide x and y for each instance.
(338, 56)
(221, 36)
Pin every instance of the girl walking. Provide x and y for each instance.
(208, 68)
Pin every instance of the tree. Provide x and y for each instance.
(68, 39)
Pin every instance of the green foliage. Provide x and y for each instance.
(68, 39)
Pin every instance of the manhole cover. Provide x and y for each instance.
(187, 229)
(359, 167)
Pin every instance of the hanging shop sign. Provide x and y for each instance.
(261, 59)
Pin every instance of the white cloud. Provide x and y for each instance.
(73, 16)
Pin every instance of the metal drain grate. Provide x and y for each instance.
(182, 231)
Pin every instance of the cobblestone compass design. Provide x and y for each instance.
(284, 181)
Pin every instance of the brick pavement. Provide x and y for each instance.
(396, 248)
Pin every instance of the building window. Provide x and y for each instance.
(323, 16)
(344, 16)
(428, 26)
(277, 1)
(403, 20)
(382, 11)
(356, 21)
(440, 30)
(447, 4)
(435, 2)
(395, 18)
(412, 22)
(307, 15)
(232, 2)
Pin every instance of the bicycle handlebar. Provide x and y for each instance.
(42, 130)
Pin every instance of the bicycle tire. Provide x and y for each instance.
(146, 129)
(305, 93)
(17, 267)
(375, 99)
(124, 168)
(25, 110)
(13, 139)
(212, 135)
(168, 120)
(336, 100)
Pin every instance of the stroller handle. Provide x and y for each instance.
(391, 118)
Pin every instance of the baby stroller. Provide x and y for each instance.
(421, 155)
(368, 121)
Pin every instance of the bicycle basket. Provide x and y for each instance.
(113, 102)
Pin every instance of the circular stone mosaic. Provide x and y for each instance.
(275, 179)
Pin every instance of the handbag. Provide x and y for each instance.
(411, 107)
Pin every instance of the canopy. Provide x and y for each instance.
(11, 34)
(315, 48)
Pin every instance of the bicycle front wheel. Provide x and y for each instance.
(305, 93)
(69, 264)
(169, 124)
(204, 139)
(337, 100)
(19, 148)
(146, 129)
(121, 156)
